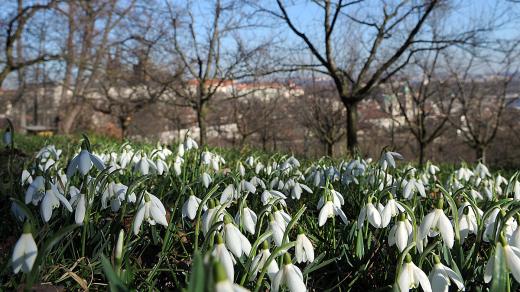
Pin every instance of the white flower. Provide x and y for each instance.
(151, 210)
(467, 221)
(222, 284)
(247, 218)
(401, 234)
(516, 190)
(370, 213)
(391, 210)
(190, 207)
(224, 256)
(35, 191)
(433, 169)
(442, 276)
(237, 243)
(206, 180)
(411, 277)
(304, 251)
(161, 166)
(229, 194)
(512, 257)
(388, 159)
(52, 200)
(81, 208)
(189, 143)
(413, 186)
(83, 163)
(290, 276)
(116, 193)
(177, 165)
(26, 177)
(211, 216)
(277, 229)
(436, 220)
(8, 137)
(330, 210)
(25, 252)
(260, 260)
(143, 165)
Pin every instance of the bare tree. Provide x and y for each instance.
(90, 24)
(384, 42)
(124, 88)
(323, 114)
(424, 100)
(13, 60)
(213, 53)
(480, 101)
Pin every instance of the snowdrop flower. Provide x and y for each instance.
(206, 179)
(388, 159)
(151, 210)
(241, 169)
(35, 191)
(467, 221)
(370, 213)
(237, 243)
(269, 196)
(190, 207)
(229, 194)
(509, 226)
(433, 169)
(160, 166)
(391, 210)
(116, 194)
(304, 251)
(259, 262)
(337, 199)
(464, 174)
(413, 186)
(221, 253)
(180, 150)
(277, 229)
(189, 143)
(81, 207)
(297, 189)
(436, 220)
(516, 190)
(8, 137)
(247, 218)
(25, 251)
(411, 277)
(482, 171)
(52, 200)
(330, 210)
(26, 177)
(250, 161)
(211, 215)
(222, 284)
(442, 276)
(290, 276)
(83, 163)
(143, 165)
(281, 216)
(401, 234)
(512, 257)
(177, 165)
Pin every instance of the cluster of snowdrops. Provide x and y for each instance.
(257, 223)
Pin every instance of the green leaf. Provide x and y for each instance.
(197, 277)
(115, 283)
(500, 273)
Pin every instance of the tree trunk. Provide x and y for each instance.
(480, 152)
(201, 120)
(352, 123)
(70, 118)
(422, 147)
(329, 148)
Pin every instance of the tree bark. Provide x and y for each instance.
(352, 124)
(201, 120)
(70, 118)
(422, 147)
(329, 149)
(480, 152)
